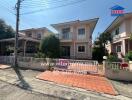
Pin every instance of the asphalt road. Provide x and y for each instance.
(11, 92)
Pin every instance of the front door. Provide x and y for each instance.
(65, 52)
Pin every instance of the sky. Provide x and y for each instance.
(61, 11)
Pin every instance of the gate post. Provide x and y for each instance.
(48, 63)
(104, 63)
(130, 65)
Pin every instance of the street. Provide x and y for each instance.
(11, 92)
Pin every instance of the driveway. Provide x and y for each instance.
(88, 82)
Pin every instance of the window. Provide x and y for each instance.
(90, 36)
(81, 31)
(66, 33)
(38, 35)
(65, 30)
(117, 31)
(118, 48)
(81, 48)
(29, 34)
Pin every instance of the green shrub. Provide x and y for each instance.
(98, 53)
(113, 58)
(39, 55)
(50, 46)
(128, 56)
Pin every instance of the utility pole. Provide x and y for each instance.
(17, 31)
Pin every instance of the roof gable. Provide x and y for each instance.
(117, 7)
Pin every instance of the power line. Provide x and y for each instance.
(11, 11)
(23, 23)
(42, 2)
(63, 5)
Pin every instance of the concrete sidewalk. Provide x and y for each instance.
(49, 88)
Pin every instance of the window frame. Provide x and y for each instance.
(80, 29)
(117, 31)
(117, 49)
(65, 29)
(81, 46)
(39, 34)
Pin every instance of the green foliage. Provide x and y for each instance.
(50, 46)
(6, 31)
(113, 58)
(105, 37)
(99, 50)
(98, 53)
(39, 55)
(128, 56)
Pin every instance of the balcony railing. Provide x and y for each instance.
(66, 36)
(116, 37)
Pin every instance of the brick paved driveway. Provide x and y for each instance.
(88, 82)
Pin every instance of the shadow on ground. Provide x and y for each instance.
(23, 84)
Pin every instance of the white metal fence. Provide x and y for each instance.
(58, 64)
(117, 65)
(79, 66)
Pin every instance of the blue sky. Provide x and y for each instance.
(87, 9)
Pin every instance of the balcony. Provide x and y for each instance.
(116, 37)
(67, 37)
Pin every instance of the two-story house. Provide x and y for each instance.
(120, 29)
(76, 38)
(28, 43)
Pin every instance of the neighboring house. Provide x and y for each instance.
(76, 38)
(120, 29)
(29, 40)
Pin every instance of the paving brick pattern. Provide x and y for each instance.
(89, 82)
(4, 66)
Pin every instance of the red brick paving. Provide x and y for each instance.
(88, 82)
(4, 66)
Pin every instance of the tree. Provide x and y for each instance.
(50, 46)
(104, 38)
(98, 51)
(128, 56)
(99, 46)
(6, 31)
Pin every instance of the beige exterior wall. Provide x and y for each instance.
(131, 25)
(75, 41)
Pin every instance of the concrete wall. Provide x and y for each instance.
(32, 65)
(118, 75)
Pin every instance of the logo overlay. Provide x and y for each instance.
(117, 11)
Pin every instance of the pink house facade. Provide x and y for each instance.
(121, 31)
